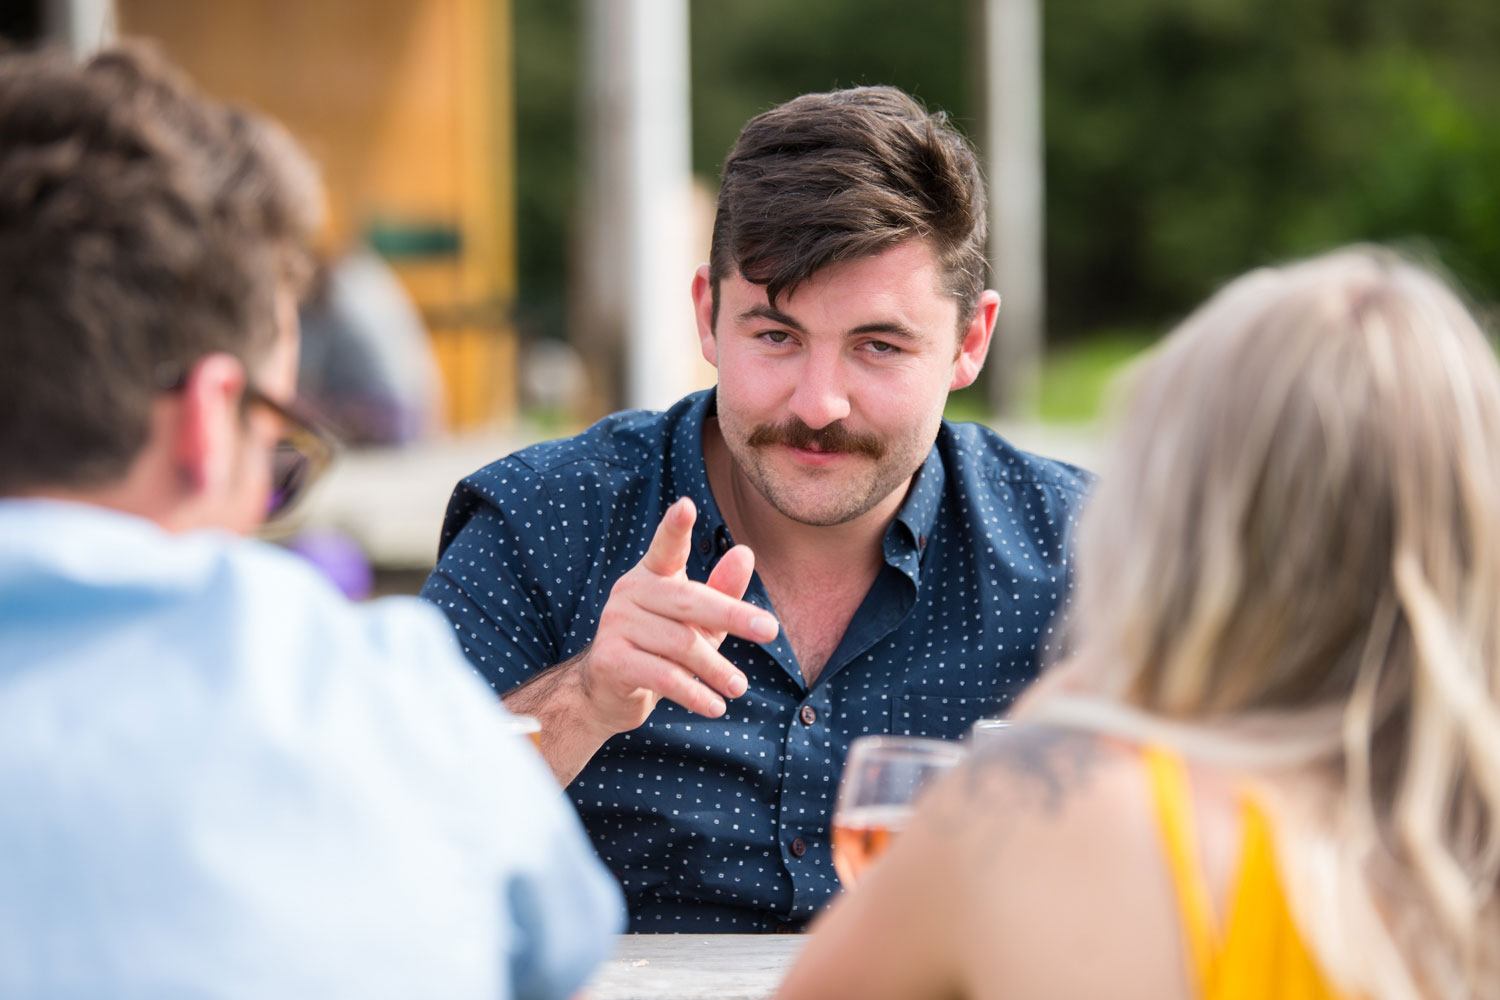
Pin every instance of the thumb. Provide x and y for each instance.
(730, 577)
(732, 573)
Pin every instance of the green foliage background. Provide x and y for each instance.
(1187, 140)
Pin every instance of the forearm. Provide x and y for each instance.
(556, 697)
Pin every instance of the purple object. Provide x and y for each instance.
(339, 558)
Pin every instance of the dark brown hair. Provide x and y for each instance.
(142, 226)
(842, 176)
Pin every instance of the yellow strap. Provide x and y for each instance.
(1174, 809)
(1264, 945)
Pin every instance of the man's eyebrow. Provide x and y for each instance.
(891, 329)
(771, 313)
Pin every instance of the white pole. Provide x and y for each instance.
(641, 128)
(1014, 155)
(83, 26)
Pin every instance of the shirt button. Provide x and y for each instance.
(799, 848)
(705, 546)
(921, 541)
(808, 715)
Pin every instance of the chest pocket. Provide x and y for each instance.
(945, 717)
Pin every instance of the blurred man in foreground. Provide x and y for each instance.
(905, 570)
(216, 776)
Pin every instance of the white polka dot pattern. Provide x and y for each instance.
(723, 824)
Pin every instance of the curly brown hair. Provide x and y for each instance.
(142, 226)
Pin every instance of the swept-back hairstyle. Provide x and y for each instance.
(1294, 559)
(142, 226)
(842, 176)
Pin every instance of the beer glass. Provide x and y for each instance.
(882, 778)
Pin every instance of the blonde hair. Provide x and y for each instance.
(1294, 558)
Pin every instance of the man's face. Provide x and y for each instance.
(830, 401)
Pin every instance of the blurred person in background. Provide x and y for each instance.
(1272, 767)
(705, 606)
(217, 777)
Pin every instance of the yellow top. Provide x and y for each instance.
(1260, 953)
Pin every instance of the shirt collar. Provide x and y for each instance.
(906, 538)
(919, 510)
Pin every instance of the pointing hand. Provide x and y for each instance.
(659, 632)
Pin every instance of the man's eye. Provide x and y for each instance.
(776, 336)
(881, 347)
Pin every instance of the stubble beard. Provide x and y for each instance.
(826, 498)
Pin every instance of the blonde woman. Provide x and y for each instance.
(1272, 767)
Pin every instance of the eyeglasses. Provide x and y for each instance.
(302, 454)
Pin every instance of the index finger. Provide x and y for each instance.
(698, 604)
(673, 541)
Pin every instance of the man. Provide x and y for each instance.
(840, 561)
(216, 776)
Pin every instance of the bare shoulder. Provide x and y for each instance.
(1038, 776)
(1033, 870)
(1066, 890)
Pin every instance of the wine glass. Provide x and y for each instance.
(882, 777)
(987, 729)
(528, 726)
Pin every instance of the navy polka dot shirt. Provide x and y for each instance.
(723, 824)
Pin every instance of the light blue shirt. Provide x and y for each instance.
(219, 778)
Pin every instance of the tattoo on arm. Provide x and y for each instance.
(1031, 768)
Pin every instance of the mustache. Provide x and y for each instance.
(835, 437)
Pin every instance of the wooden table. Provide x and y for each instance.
(695, 967)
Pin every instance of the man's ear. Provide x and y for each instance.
(976, 342)
(703, 312)
(204, 428)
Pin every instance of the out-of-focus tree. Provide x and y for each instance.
(750, 55)
(1190, 139)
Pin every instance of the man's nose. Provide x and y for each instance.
(820, 398)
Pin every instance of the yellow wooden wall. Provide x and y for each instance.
(407, 106)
